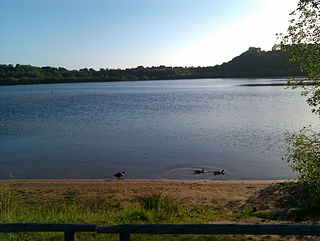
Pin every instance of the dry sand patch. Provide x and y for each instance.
(231, 195)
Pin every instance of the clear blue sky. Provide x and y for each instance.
(127, 33)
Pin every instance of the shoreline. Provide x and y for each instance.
(214, 194)
(148, 179)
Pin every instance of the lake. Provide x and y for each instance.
(150, 129)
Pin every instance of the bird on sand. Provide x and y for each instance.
(199, 171)
(119, 174)
(218, 172)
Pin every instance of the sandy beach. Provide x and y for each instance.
(231, 195)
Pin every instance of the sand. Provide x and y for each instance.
(230, 195)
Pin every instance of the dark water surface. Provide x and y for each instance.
(155, 129)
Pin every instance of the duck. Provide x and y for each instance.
(119, 174)
(199, 171)
(218, 172)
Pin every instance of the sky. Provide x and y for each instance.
(128, 33)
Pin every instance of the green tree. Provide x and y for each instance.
(302, 41)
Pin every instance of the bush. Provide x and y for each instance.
(303, 156)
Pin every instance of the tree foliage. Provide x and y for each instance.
(252, 63)
(302, 40)
(304, 157)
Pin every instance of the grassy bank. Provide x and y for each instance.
(21, 203)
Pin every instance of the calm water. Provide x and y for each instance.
(156, 129)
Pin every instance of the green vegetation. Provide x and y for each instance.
(304, 156)
(302, 41)
(252, 63)
(156, 208)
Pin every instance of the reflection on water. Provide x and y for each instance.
(155, 129)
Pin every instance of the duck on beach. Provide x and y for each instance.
(119, 174)
(199, 171)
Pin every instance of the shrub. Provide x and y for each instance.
(303, 156)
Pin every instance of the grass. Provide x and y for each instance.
(156, 208)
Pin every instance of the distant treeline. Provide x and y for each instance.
(252, 63)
